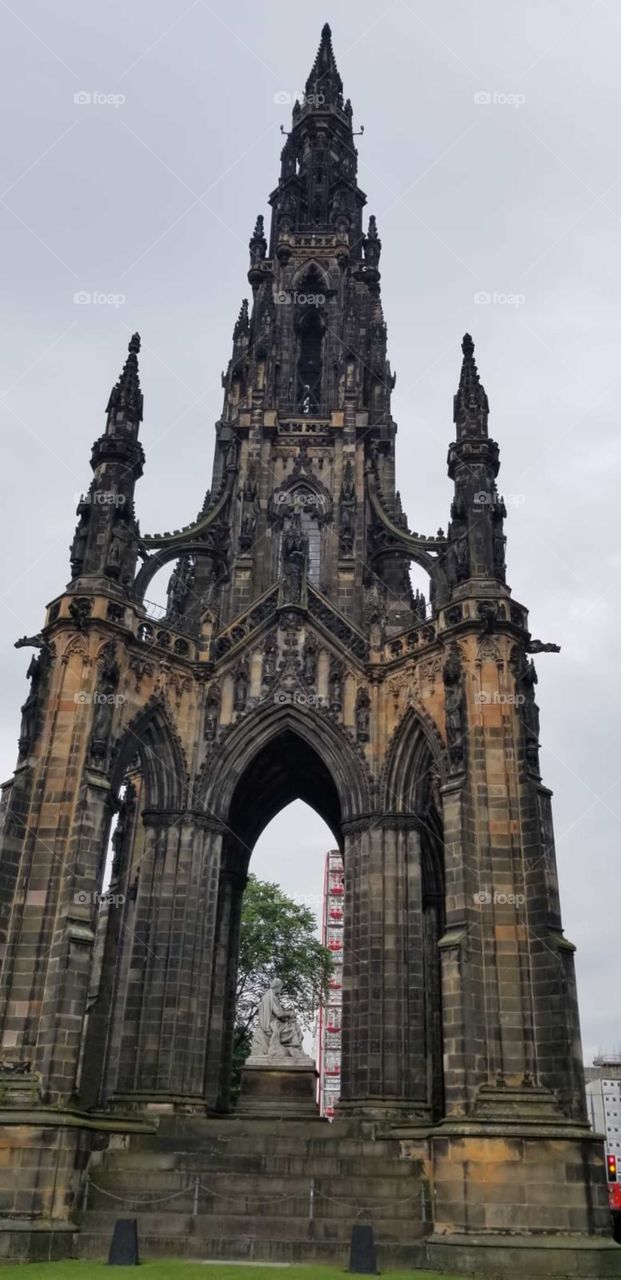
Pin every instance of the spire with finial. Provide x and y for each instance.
(324, 81)
(470, 405)
(242, 324)
(372, 246)
(258, 244)
(126, 397)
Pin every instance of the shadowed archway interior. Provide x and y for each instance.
(285, 769)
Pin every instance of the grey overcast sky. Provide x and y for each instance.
(491, 160)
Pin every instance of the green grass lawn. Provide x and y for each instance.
(190, 1271)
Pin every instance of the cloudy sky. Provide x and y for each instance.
(490, 157)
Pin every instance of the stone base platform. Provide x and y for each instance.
(285, 1092)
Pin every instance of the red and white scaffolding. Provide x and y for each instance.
(329, 1055)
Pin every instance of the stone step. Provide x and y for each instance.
(165, 1225)
(265, 1142)
(267, 1164)
(409, 1255)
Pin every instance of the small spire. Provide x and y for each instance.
(126, 396)
(258, 243)
(470, 405)
(242, 324)
(324, 78)
(372, 245)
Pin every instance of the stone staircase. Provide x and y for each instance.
(265, 1190)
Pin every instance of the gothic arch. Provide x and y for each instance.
(310, 273)
(285, 741)
(415, 751)
(152, 736)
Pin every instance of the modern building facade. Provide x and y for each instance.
(331, 1012)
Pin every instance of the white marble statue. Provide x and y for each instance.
(277, 1037)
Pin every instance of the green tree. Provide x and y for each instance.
(278, 940)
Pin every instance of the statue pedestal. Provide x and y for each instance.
(279, 1091)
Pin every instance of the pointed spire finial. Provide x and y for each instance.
(242, 324)
(470, 405)
(258, 243)
(324, 78)
(126, 396)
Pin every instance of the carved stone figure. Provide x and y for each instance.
(347, 510)
(335, 687)
(78, 546)
(363, 711)
(309, 662)
(179, 587)
(454, 709)
(30, 708)
(212, 713)
(105, 698)
(294, 561)
(270, 658)
(277, 1036)
(240, 695)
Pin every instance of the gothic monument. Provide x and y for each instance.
(294, 660)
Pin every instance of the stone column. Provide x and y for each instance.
(223, 996)
(384, 1067)
(164, 1040)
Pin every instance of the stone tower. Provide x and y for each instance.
(294, 660)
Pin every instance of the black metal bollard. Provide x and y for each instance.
(362, 1256)
(124, 1247)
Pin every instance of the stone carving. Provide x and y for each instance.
(363, 705)
(277, 1038)
(179, 587)
(526, 679)
(212, 713)
(309, 662)
(250, 510)
(454, 709)
(241, 686)
(294, 561)
(105, 699)
(141, 667)
(541, 646)
(78, 546)
(335, 687)
(30, 709)
(347, 510)
(270, 659)
(80, 610)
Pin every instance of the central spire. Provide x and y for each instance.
(317, 191)
(324, 79)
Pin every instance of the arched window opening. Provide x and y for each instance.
(309, 363)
